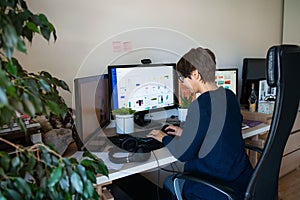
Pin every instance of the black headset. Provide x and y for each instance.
(136, 152)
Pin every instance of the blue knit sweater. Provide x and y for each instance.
(212, 145)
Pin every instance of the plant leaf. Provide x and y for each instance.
(9, 35)
(64, 183)
(21, 46)
(4, 160)
(64, 85)
(16, 164)
(77, 182)
(82, 172)
(33, 27)
(91, 176)
(12, 194)
(29, 107)
(44, 85)
(45, 32)
(21, 124)
(88, 154)
(3, 98)
(11, 91)
(54, 107)
(46, 74)
(88, 189)
(31, 163)
(55, 176)
(8, 51)
(11, 69)
(23, 187)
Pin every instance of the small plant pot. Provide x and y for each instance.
(124, 124)
(182, 112)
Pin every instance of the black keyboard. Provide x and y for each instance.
(131, 142)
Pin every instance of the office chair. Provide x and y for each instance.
(283, 70)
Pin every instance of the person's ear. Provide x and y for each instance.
(195, 74)
(199, 77)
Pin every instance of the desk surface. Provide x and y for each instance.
(256, 130)
(159, 158)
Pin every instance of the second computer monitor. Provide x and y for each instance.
(227, 78)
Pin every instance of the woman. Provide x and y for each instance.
(210, 143)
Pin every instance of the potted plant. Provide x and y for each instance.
(21, 91)
(124, 118)
(185, 101)
(38, 171)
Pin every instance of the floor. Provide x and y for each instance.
(289, 186)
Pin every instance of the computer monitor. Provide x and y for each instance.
(144, 88)
(92, 111)
(227, 78)
(254, 70)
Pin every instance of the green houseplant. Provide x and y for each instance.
(185, 101)
(38, 171)
(124, 120)
(20, 90)
(123, 111)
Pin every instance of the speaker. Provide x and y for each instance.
(136, 152)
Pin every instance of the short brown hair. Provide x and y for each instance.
(200, 59)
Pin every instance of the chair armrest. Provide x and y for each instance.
(229, 192)
(254, 148)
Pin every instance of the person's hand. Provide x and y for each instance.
(157, 134)
(173, 130)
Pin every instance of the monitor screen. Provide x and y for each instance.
(143, 87)
(91, 106)
(254, 70)
(227, 78)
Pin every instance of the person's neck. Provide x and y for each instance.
(205, 87)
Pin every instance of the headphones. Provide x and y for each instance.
(136, 152)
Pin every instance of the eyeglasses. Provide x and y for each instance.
(181, 78)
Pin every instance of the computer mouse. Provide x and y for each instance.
(165, 130)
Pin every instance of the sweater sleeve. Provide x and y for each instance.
(186, 147)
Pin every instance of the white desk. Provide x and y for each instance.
(162, 157)
(256, 130)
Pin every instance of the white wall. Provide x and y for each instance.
(291, 25)
(159, 29)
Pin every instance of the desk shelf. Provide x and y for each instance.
(17, 136)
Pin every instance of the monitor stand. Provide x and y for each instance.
(139, 119)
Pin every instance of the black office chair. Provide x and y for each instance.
(283, 70)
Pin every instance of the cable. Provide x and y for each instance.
(157, 187)
(173, 171)
(158, 176)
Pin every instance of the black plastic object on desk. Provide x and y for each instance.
(131, 143)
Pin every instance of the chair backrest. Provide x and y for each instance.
(283, 70)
